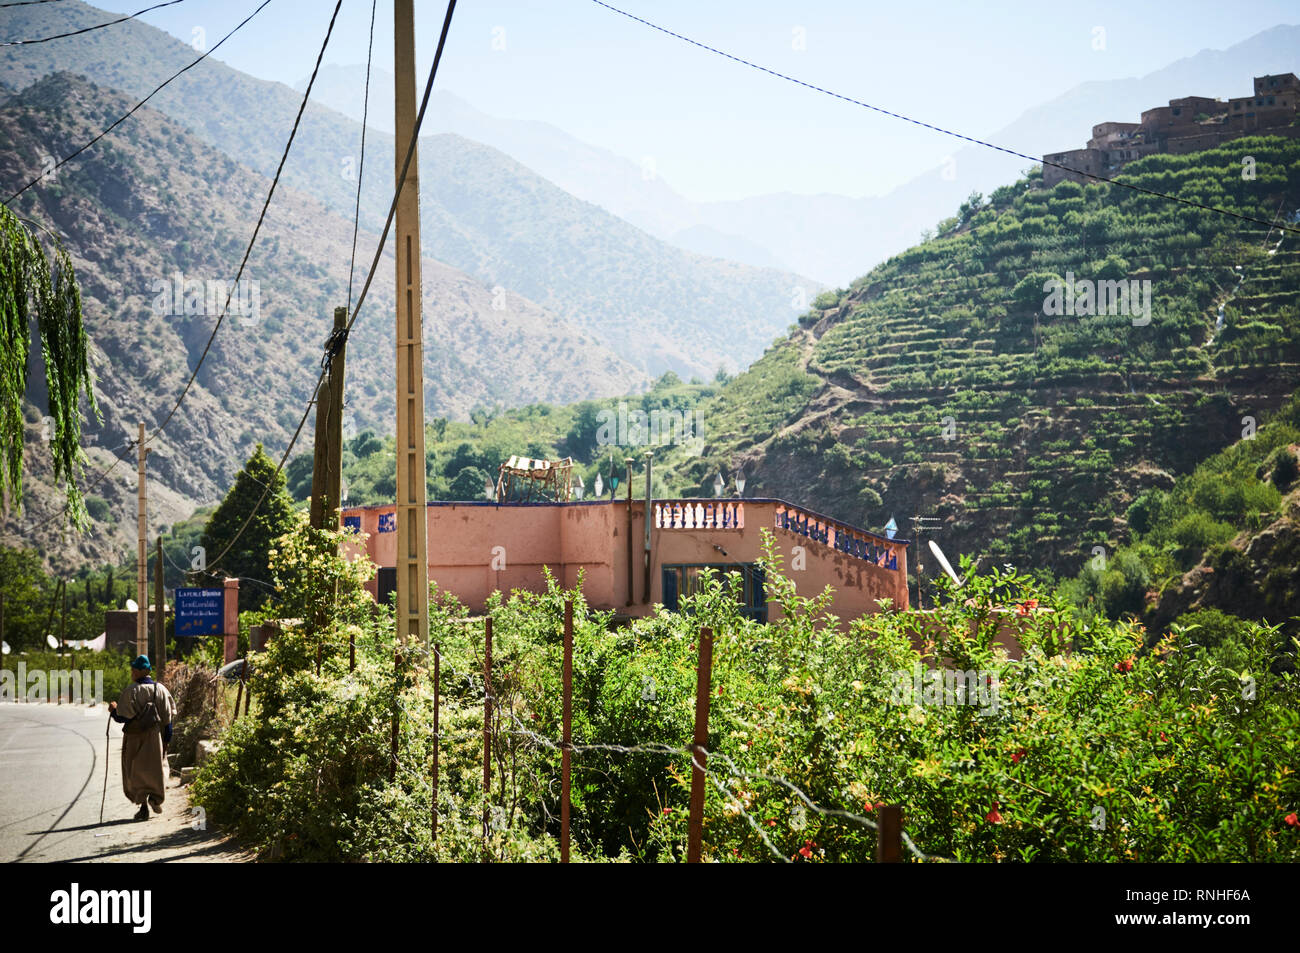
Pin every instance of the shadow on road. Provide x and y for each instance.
(178, 846)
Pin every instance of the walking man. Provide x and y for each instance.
(146, 710)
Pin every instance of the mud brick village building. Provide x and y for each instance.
(1186, 125)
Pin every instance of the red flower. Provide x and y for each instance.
(667, 811)
(1292, 820)
(1018, 756)
(1124, 666)
(719, 689)
(736, 851)
(1162, 736)
(771, 823)
(993, 817)
(806, 850)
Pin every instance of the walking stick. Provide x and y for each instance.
(107, 725)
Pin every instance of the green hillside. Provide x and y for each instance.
(1226, 537)
(936, 385)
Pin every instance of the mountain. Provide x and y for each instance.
(151, 201)
(832, 237)
(657, 306)
(944, 383)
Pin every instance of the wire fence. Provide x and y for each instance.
(715, 768)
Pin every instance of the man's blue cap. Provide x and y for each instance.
(142, 662)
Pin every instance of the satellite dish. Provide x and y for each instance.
(4, 648)
(51, 641)
(131, 606)
(947, 566)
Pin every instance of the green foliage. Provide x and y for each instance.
(1086, 749)
(31, 287)
(1283, 468)
(252, 539)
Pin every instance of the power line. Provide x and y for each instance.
(256, 229)
(361, 166)
(370, 275)
(946, 132)
(132, 110)
(26, 3)
(86, 29)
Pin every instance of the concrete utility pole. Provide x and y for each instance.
(141, 561)
(412, 619)
(327, 464)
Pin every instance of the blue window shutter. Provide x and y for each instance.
(670, 590)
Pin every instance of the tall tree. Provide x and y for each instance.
(32, 288)
(249, 557)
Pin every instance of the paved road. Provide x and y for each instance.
(51, 783)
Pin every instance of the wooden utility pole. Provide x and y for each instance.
(412, 619)
(327, 464)
(645, 593)
(159, 622)
(141, 561)
(630, 593)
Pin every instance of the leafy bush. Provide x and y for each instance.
(1088, 748)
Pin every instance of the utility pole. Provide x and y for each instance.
(630, 593)
(159, 625)
(919, 525)
(412, 619)
(645, 595)
(327, 463)
(141, 561)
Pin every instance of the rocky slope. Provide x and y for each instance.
(150, 202)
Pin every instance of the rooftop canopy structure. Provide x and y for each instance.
(524, 480)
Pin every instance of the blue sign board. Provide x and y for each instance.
(352, 524)
(200, 611)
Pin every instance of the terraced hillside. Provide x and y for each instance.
(937, 384)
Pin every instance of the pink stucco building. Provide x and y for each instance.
(477, 548)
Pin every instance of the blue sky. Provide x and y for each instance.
(718, 130)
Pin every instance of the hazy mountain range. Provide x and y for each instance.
(832, 238)
(654, 304)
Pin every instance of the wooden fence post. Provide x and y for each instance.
(437, 657)
(567, 732)
(397, 702)
(889, 834)
(699, 753)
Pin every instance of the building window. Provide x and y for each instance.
(680, 582)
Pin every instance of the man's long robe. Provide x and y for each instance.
(143, 767)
